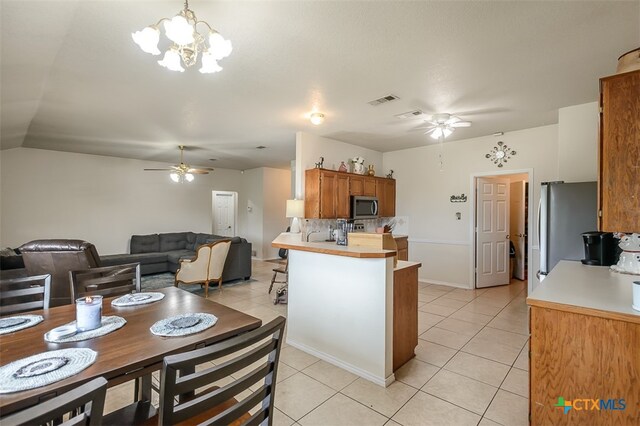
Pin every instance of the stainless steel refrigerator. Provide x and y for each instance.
(566, 211)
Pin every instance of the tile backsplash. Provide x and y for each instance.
(320, 227)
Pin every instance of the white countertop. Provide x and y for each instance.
(291, 241)
(591, 287)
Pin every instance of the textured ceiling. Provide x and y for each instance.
(73, 80)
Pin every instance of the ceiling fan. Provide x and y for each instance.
(442, 125)
(184, 172)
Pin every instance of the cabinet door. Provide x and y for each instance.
(386, 193)
(369, 187)
(356, 185)
(327, 195)
(342, 196)
(312, 194)
(619, 184)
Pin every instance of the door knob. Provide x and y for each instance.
(507, 236)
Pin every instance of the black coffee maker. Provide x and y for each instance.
(599, 248)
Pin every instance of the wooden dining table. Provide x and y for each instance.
(124, 354)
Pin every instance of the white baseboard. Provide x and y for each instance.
(447, 283)
(381, 381)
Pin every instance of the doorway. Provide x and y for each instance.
(224, 206)
(501, 242)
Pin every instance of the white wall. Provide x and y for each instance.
(578, 143)
(277, 190)
(436, 238)
(309, 149)
(252, 204)
(104, 200)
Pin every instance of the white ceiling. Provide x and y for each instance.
(73, 80)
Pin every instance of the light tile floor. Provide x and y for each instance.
(470, 366)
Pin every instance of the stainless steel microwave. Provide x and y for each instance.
(364, 207)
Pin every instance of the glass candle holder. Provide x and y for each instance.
(88, 313)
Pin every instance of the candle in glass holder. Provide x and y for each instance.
(88, 313)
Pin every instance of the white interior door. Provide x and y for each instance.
(224, 213)
(517, 226)
(492, 232)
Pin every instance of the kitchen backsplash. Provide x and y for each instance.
(320, 227)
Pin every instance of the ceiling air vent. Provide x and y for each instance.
(383, 100)
(416, 113)
(260, 147)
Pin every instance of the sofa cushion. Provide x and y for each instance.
(145, 243)
(191, 241)
(234, 240)
(175, 255)
(201, 239)
(173, 241)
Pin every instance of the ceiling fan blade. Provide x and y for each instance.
(158, 170)
(198, 172)
(461, 124)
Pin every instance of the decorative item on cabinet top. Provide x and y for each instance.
(390, 175)
(358, 165)
(320, 164)
(343, 167)
(371, 171)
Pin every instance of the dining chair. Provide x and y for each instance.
(85, 403)
(207, 266)
(192, 380)
(282, 269)
(105, 281)
(24, 294)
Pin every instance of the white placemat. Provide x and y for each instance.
(45, 368)
(109, 324)
(18, 322)
(137, 299)
(184, 324)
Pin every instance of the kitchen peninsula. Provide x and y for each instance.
(585, 344)
(351, 307)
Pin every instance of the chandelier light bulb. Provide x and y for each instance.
(148, 39)
(317, 118)
(209, 64)
(179, 31)
(174, 177)
(189, 177)
(218, 46)
(171, 61)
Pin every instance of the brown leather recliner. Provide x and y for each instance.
(58, 257)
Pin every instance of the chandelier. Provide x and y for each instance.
(187, 43)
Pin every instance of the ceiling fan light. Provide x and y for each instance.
(174, 177)
(437, 132)
(171, 61)
(447, 132)
(179, 31)
(189, 177)
(209, 64)
(148, 39)
(218, 46)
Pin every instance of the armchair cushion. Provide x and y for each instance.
(145, 243)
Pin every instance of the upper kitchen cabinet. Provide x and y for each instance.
(326, 194)
(362, 185)
(386, 194)
(619, 153)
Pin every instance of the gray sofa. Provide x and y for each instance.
(162, 253)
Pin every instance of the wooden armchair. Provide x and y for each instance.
(206, 267)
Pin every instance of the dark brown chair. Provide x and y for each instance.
(282, 269)
(199, 401)
(105, 281)
(86, 403)
(24, 294)
(58, 257)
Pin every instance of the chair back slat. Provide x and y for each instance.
(88, 397)
(105, 281)
(179, 379)
(25, 294)
(196, 380)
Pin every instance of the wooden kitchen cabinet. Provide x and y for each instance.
(402, 242)
(326, 194)
(619, 153)
(386, 194)
(362, 185)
